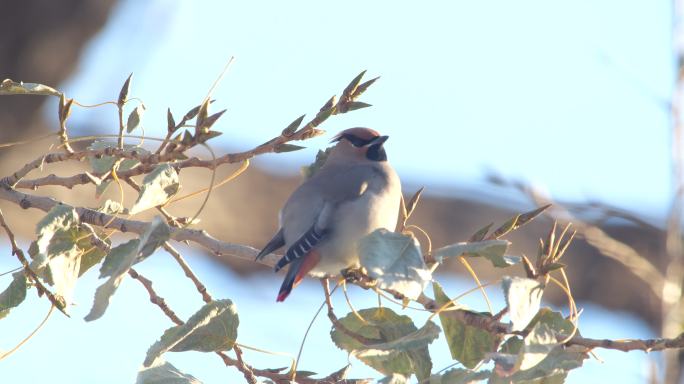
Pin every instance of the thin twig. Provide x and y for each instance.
(201, 288)
(55, 300)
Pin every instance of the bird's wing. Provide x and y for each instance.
(340, 184)
(276, 242)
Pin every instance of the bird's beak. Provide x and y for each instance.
(379, 140)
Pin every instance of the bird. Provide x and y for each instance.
(353, 193)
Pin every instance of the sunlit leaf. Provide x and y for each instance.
(395, 261)
(212, 328)
(59, 258)
(164, 373)
(384, 326)
(157, 188)
(9, 87)
(523, 297)
(469, 345)
(111, 207)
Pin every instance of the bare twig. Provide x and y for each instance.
(244, 368)
(154, 297)
(57, 301)
(201, 288)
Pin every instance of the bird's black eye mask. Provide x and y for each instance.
(355, 140)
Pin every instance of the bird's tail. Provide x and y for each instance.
(298, 269)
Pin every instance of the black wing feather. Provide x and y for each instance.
(276, 242)
(301, 247)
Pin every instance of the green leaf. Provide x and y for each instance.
(59, 257)
(354, 105)
(164, 373)
(523, 297)
(555, 320)
(459, 376)
(292, 128)
(104, 164)
(364, 86)
(420, 338)
(134, 118)
(321, 156)
(469, 345)
(506, 227)
(92, 255)
(120, 260)
(213, 328)
(104, 293)
(538, 343)
(492, 250)
(280, 148)
(480, 234)
(385, 326)
(125, 89)
(9, 87)
(157, 233)
(118, 255)
(14, 294)
(395, 261)
(157, 188)
(351, 88)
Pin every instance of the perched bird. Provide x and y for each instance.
(355, 192)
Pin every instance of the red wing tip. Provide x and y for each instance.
(282, 296)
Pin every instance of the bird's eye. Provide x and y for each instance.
(356, 141)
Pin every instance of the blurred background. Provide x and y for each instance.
(495, 107)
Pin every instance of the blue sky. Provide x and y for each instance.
(568, 95)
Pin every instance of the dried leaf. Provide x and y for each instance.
(170, 122)
(9, 87)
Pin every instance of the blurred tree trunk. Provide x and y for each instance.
(40, 42)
